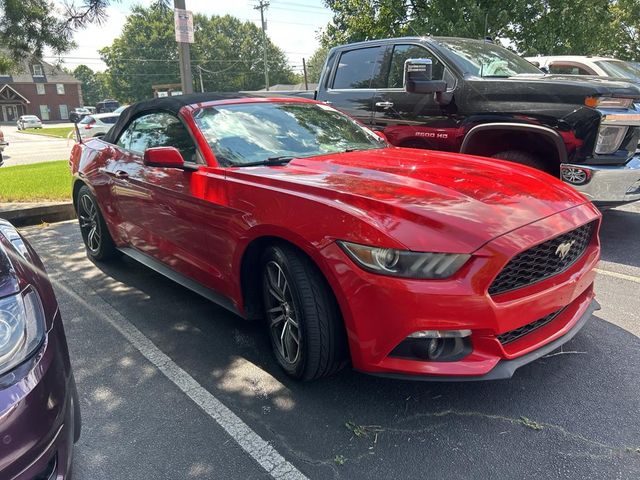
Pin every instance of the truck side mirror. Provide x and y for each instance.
(418, 77)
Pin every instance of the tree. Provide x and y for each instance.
(28, 26)
(315, 64)
(579, 27)
(227, 52)
(94, 86)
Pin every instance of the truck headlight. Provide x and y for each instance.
(609, 138)
(405, 263)
(608, 102)
(22, 328)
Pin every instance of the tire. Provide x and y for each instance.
(96, 237)
(298, 303)
(523, 158)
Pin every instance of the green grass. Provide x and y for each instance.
(61, 132)
(36, 182)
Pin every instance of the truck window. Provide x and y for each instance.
(356, 68)
(568, 69)
(401, 53)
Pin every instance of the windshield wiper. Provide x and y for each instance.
(282, 160)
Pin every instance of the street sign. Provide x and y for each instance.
(184, 25)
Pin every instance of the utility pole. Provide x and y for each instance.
(262, 6)
(185, 57)
(201, 84)
(304, 70)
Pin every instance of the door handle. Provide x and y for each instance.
(384, 105)
(121, 174)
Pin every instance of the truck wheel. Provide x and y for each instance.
(303, 319)
(97, 240)
(523, 158)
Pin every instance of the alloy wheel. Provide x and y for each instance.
(282, 315)
(89, 223)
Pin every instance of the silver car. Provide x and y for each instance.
(28, 121)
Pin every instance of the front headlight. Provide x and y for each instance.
(22, 328)
(608, 102)
(404, 263)
(609, 138)
(11, 234)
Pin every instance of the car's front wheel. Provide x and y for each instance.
(303, 318)
(96, 237)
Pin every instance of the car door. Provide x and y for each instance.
(163, 211)
(353, 80)
(413, 119)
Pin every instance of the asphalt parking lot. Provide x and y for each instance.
(174, 387)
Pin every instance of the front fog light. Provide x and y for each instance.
(609, 138)
(434, 346)
(575, 175)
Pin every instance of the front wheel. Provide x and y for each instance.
(96, 237)
(303, 319)
(523, 158)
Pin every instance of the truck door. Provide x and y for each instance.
(352, 82)
(413, 119)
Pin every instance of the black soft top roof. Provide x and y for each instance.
(167, 104)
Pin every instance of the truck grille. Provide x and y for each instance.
(543, 261)
(517, 333)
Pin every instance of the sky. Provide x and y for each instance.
(291, 24)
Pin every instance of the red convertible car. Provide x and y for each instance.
(406, 262)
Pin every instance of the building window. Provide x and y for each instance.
(44, 112)
(40, 88)
(60, 88)
(64, 112)
(37, 70)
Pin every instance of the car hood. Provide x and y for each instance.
(460, 201)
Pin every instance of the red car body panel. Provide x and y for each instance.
(200, 224)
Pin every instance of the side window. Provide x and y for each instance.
(356, 68)
(401, 53)
(158, 130)
(568, 69)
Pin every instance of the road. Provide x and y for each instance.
(152, 359)
(25, 148)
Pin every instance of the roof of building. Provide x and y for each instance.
(51, 74)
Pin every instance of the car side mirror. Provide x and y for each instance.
(163, 157)
(418, 77)
(381, 134)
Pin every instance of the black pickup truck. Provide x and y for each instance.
(480, 98)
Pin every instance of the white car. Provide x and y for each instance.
(97, 125)
(28, 121)
(587, 65)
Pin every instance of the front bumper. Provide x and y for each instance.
(605, 184)
(380, 312)
(37, 413)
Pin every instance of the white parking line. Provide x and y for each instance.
(623, 276)
(258, 448)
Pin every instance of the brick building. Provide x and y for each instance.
(38, 89)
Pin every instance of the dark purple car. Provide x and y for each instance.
(39, 411)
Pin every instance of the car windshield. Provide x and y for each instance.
(619, 69)
(30, 117)
(485, 59)
(87, 119)
(252, 132)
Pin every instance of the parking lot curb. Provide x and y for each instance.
(33, 214)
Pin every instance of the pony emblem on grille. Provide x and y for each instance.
(564, 248)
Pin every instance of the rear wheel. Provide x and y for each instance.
(303, 319)
(523, 158)
(97, 240)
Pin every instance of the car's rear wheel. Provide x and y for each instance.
(96, 237)
(303, 319)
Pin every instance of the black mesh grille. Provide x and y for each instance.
(543, 261)
(514, 335)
